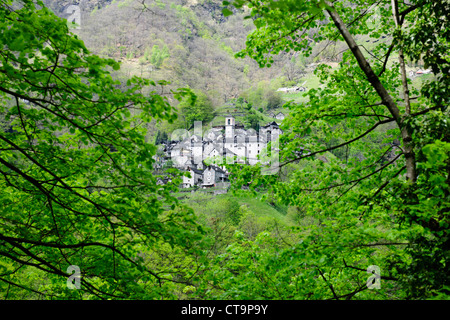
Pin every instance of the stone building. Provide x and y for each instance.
(205, 157)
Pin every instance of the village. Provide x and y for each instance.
(204, 155)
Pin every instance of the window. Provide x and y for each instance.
(229, 121)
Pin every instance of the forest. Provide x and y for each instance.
(356, 207)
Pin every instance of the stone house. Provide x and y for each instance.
(196, 178)
(213, 175)
(279, 116)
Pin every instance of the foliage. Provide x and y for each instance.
(263, 95)
(382, 199)
(159, 55)
(196, 108)
(363, 178)
(161, 137)
(76, 182)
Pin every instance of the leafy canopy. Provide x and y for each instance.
(366, 157)
(76, 182)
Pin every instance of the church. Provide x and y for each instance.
(219, 145)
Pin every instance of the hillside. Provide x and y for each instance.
(190, 43)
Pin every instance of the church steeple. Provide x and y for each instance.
(229, 127)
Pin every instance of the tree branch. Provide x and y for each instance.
(339, 145)
(386, 98)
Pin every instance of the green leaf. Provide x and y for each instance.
(227, 12)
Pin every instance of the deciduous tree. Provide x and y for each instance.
(76, 183)
(389, 205)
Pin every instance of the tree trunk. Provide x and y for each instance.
(386, 98)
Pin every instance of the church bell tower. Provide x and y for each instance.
(229, 127)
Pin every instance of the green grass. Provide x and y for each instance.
(296, 97)
(201, 198)
(312, 82)
(265, 117)
(418, 81)
(260, 208)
